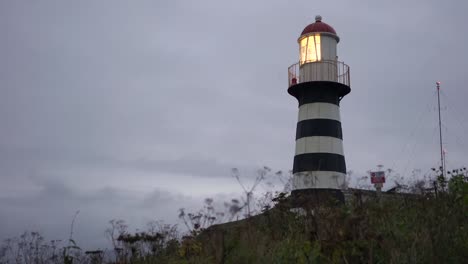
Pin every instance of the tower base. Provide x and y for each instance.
(310, 198)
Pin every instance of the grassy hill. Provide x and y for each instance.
(427, 227)
(406, 229)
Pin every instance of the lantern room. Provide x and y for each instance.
(317, 42)
(318, 60)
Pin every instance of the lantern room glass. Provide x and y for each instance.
(310, 49)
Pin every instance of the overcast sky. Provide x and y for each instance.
(133, 109)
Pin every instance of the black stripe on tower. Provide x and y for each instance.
(319, 92)
(319, 162)
(319, 127)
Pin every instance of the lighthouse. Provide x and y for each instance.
(319, 82)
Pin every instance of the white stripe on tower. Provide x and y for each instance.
(319, 144)
(318, 179)
(319, 110)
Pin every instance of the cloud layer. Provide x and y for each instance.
(130, 109)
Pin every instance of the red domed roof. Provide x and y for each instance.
(318, 26)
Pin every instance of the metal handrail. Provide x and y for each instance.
(325, 70)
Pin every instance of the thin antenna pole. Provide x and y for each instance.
(442, 162)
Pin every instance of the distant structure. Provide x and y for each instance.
(319, 81)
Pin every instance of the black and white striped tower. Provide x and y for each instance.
(319, 81)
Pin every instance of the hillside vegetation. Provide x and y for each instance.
(428, 227)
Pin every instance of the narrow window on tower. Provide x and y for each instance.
(318, 47)
(310, 50)
(303, 51)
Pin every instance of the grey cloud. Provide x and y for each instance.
(52, 208)
(22, 162)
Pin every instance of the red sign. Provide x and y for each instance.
(377, 176)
